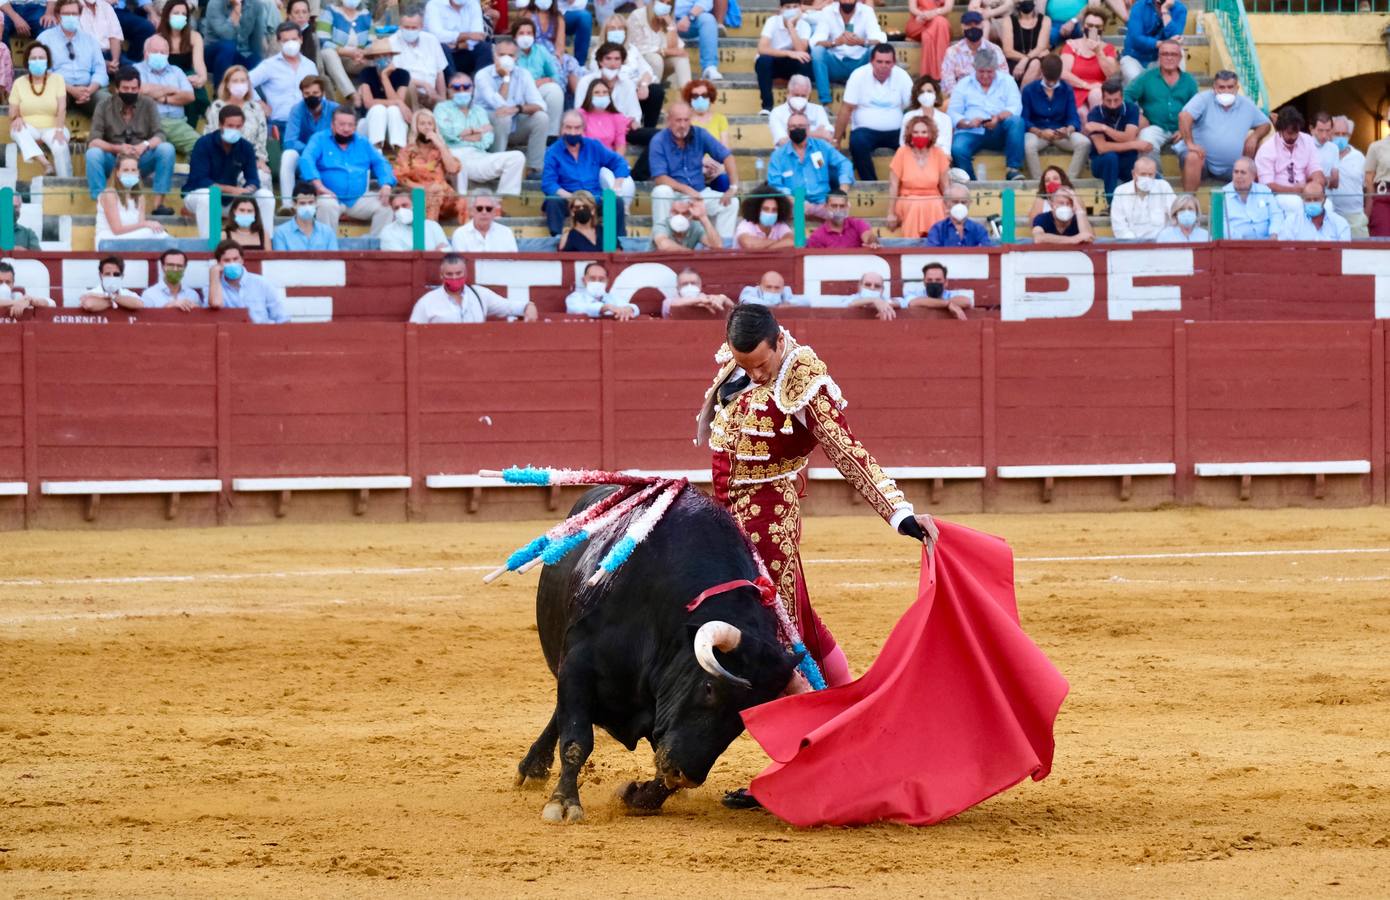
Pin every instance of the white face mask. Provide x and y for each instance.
(679, 223)
(1226, 100)
(927, 99)
(290, 49)
(661, 9)
(6, 292)
(506, 63)
(1144, 183)
(239, 88)
(959, 211)
(690, 291)
(111, 284)
(405, 215)
(611, 71)
(525, 41)
(869, 293)
(797, 103)
(1062, 213)
(596, 288)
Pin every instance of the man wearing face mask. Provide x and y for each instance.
(1114, 131)
(168, 87)
(841, 231)
(799, 100)
(985, 110)
(574, 163)
(467, 132)
(592, 299)
(1139, 210)
(1250, 206)
(687, 229)
(278, 78)
(230, 286)
(958, 229)
(14, 299)
(1314, 221)
(111, 293)
(339, 163)
(931, 293)
(76, 55)
(870, 293)
(771, 290)
(845, 32)
(610, 64)
(961, 57)
(308, 117)
(509, 95)
(304, 232)
(690, 294)
(784, 49)
(223, 158)
(169, 292)
(458, 24)
(418, 52)
(399, 234)
(1289, 161)
(808, 163)
(1049, 114)
(128, 122)
(1348, 197)
(1218, 127)
(457, 302)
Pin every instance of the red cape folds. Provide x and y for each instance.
(958, 706)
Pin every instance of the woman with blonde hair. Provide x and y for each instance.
(425, 162)
(586, 225)
(651, 31)
(121, 207)
(918, 176)
(1182, 225)
(236, 91)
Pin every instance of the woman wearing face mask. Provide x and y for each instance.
(243, 224)
(1062, 225)
(176, 26)
(38, 109)
(651, 31)
(610, 128)
(545, 70)
(1184, 228)
(919, 174)
(425, 162)
(766, 216)
(1053, 179)
(1026, 40)
(1087, 61)
(926, 93)
(343, 33)
(550, 33)
(996, 13)
(929, 21)
(701, 95)
(236, 91)
(617, 61)
(121, 207)
(586, 225)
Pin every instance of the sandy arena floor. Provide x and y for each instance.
(338, 711)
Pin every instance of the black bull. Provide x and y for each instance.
(624, 654)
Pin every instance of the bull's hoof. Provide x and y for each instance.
(530, 771)
(558, 812)
(644, 798)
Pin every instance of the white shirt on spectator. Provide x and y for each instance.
(777, 121)
(1349, 196)
(775, 30)
(487, 83)
(623, 92)
(878, 105)
(424, 59)
(1140, 218)
(580, 303)
(446, 21)
(1327, 156)
(499, 239)
(864, 23)
(476, 304)
(158, 295)
(754, 294)
(397, 237)
(279, 79)
(1298, 227)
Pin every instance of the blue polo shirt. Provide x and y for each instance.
(1118, 119)
(944, 234)
(1059, 111)
(684, 164)
(562, 171)
(287, 236)
(344, 170)
(255, 295)
(304, 124)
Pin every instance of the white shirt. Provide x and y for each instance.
(499, 239)
(397, 237)
(476, 304)
(1140, 218)
(446, 21)
(1349, 196)
(623, 90)
(424, 59)
(878, 104)
(580, 303)
(1327, 156)
(775, 30)
(864, 23)
(777, 122)
(158, 295)
(278, 79)
(1298, 227)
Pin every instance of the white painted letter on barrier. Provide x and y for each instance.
(1371, 262)
(1123, 266)
(1017, 303)
(817, 269)
(644, 275)
(515, 277)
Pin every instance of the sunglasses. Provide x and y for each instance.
(485, 209)
(460, 86)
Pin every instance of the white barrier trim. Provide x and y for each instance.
(14, 488)
(1102, 470)
(1325, 467)
(909, 473)
(322, 483)
(141, 486)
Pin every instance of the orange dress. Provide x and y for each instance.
(919, 204)
(421, 165)
(935, 35)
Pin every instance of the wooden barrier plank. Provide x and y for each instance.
(114, 461)
(456, 457)
(336, 458)
(290, 398)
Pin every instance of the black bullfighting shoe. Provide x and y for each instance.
(741, 799)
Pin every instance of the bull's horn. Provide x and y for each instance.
(721, 636)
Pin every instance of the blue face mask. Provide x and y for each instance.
(700, 104)
(463, 98)
(38, 67)
(177, 21)
(1187, 218)
(770, 298)
(231, 135)
(128, 180)
(1312, 208)
(305, 212)
(69, 24)
(233, 271)
(767, 219)
(158, 61)
(244, 220)
(573, 139)
(1342, 141)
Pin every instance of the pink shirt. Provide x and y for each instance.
(779, 231)
(1276, 164)
(608, 128)
(849, 237)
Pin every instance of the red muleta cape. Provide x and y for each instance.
(959, 706)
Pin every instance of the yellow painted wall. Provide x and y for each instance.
(1301, 52)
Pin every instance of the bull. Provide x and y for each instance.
(629, 657)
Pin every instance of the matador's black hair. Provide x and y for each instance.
(749, 325)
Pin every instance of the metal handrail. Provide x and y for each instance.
(1235, 31)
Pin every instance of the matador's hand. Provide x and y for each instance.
(921, 527)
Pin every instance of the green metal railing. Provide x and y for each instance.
(1235, 31)
(1312, 7)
